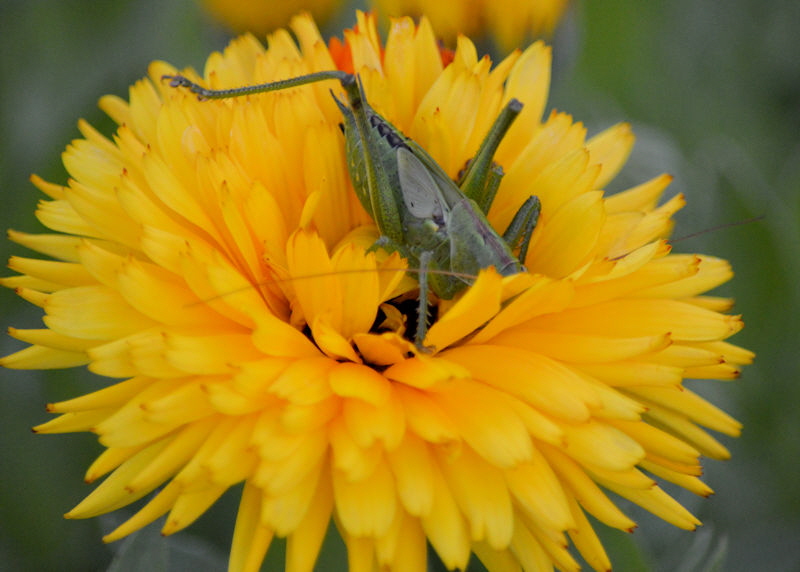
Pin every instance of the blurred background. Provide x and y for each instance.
(712, 90)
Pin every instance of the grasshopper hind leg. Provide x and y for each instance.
(423, 303)
(478, 181)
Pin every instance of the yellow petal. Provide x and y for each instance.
(155, 508)
(642, 197)
(610, 149)
(580, 349)
(303, 545)
(659, 503)
(65, 273)
(331, 341)
(113, 493)
(529, 81)
(250, 538)
(586, 540)
(368, 423)
(108, 397)
(501, 438)
(539, 381)
(39, 357)
(644, 317)
(691, 405)
(586, 491)
(558, 250)
(483, 496)
(445, 527)
(93, 312)
(412, 467)
(539, 492)
(365, 507)
(587, 441)
(189, 506)
(480, 302)
(384, 349)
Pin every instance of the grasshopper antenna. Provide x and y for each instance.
(705, 231)
(720, 227)
(178, 80)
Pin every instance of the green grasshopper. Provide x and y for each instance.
(439, 226)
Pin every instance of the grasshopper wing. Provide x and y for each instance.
(420, 192)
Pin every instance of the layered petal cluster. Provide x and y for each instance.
(508, 23)
(211, 259)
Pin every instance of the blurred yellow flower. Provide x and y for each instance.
(262, 16)
(212, 260)
(509, 23)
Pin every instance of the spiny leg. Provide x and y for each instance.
(519, 232)
(422, 308)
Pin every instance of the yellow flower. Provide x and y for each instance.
(262, 16)
(212, 260)
(509, 23)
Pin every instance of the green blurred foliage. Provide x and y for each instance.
(713, 92)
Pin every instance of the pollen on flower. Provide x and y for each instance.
(213, 261)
